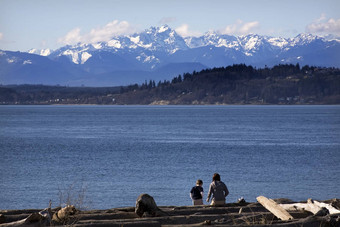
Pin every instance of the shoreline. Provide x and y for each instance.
(225, 104)
(230, 214)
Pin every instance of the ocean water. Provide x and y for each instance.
(108, 155)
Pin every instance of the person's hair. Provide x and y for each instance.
(216, 177)
(199, 182)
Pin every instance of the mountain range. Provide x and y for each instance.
(159, 53)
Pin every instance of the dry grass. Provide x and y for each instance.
(74, 194)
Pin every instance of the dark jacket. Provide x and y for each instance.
(196, 192)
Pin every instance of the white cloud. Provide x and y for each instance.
(249, 27)
(72, 37)
(167, 20)
(99, 34)
(240, 28)
(1, 36)
(324, 26)
(184, 31)
(321, 18)
(113, 28)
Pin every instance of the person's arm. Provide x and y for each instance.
(226, 191)
(209, 193)
(191, 193)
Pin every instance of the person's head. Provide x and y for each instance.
(216, 177)
(199, 182)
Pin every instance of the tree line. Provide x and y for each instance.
(234, 84)
(241, 84)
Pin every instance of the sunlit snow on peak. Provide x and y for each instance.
(173, 51)
(226, 43)
(84, 57)
(279, 42)
(27, 62)
(172, 34)
(147, 58)
(33, 51)
(11, 60)
(73, 55)
(43, 52)
(114, 43)
(163, 29)
(97, 45)
(303, 39)
(251, 43)
(77, 57)
(135, 39)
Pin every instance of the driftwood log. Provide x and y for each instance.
(252, 214)
(44, 218)
(145, 204)
(147, 207)
(274, 208)
(40, 219)
(2, 218)
(312, 206)
(63, 215)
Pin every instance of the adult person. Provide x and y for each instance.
(218, 190)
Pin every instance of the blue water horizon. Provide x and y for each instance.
(112, 154)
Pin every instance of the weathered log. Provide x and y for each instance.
(252, 214)
(2, 218)
(64, 214)
(106, 216)
(33, 220)
(136, 223)
(274, 208)
(146, 206)
(334, 202)
(312, 206)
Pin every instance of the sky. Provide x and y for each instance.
(42, 24)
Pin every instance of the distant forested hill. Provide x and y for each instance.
(44, 95)
(236, 84)
(241, 84)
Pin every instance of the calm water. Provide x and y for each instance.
(115, 153)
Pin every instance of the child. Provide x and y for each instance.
(196, 193)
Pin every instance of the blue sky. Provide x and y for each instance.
(40, 24)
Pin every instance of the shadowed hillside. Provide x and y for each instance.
(241, 84)
(236, 84)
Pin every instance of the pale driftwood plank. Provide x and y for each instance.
(330, 208)
(312, 206)
(274, 208)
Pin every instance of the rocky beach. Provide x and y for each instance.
(265, 212)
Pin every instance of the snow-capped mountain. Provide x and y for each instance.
(147, 55)
(151, 48)
(26, 68)
(42, 52)
(145, 47)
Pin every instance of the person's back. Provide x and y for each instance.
(218, 190)
(196, 193)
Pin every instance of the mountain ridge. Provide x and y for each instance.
(155, 48)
